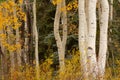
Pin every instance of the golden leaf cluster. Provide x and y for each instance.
(11, 18)
(70, 6)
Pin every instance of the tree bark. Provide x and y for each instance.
(104, 19)
(58, 38)
(36, 40)
(92, 38)
(64, 20)
(26, 26)
(82, 38)
(26, 43)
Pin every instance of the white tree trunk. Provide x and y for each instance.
(104, 18)
(58, 38)
(36, 40)
(26, 42)
(92, 38)
(82, 38)
(64, 20)
(24, 51)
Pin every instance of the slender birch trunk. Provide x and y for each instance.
(58, 38)
(30, 34)
(92, 38)
(26, 43)
(82, 38)
(64, 20)
(26, 48)
(104, 19)
(36, 40)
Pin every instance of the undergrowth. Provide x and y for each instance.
(48, 72)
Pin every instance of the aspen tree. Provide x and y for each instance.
(104, 19)
(36, 41)
(82, 38)
(58, 39)
(26, 49)
(10, 18)
(26, 43)
(91, 52)
(64, 23)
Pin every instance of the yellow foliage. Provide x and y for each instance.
(72, 70)
(56, 2)
(11, 17)
(70, 6)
